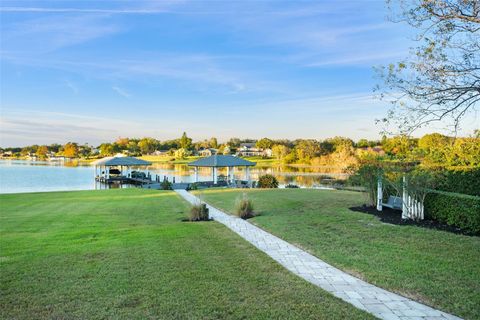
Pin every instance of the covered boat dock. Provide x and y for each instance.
(223, 161)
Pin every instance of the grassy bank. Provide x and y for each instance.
(438, 268)
(126, 254)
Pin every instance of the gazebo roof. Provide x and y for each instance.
(120, 161)
(221, 161)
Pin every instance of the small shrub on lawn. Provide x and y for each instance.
(244, 207)
(267, 181)
(199, 212)
(166, 185)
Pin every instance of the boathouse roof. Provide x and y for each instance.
(120, 161)
(221, 161)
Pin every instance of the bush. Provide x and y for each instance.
(291, 186)
(465, 181)
(193, 186)
(267, 181)
(199, 212)
(459, 210)
(166, 185)
(244, 207)
(367, 177)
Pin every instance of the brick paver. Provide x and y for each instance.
(379, 302)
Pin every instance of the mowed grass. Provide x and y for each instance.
(435, 267)
(126, 254)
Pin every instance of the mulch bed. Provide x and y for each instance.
(395, 217)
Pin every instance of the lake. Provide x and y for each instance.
(35, 176)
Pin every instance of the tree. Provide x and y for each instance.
(70, 150)
(42, 152)
(280, 151)
(362, 143)
(399, 146)
(440, 81)
(234, 142)
(264, 143)
(307, 149)
(147, 145)
(185, 142)
(435, 147)
(213, 143)
(106, 149)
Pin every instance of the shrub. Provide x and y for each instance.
(367, 177)
(244, 207)
(193, 186)
(199, 212)
(466, 180)
(267, 181)
(291, 186)
(459, 210)
(166, 185)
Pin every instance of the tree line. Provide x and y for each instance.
(431, 149)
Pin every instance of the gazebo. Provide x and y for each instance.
(120, 161)
(223, 161)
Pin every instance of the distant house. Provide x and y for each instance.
(250, 150)
(207, 152)
(378, 150)
(6, 154)
(160, 153)
(53, 157)
(32, 156)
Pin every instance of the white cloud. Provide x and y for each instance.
(121, 92)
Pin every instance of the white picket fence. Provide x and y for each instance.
(411, 208)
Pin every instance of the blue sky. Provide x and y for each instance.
(91, 71)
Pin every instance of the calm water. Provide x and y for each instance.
(34, 176)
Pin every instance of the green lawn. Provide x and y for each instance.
(126, 254)
(438, 268)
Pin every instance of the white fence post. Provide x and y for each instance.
(379, 194)
(404, 199)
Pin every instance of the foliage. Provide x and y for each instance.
(280, 151)
(192, 186)
(267, 181)
(454, 209)
(399, 146)
(440, 80)
(466, 181)
(264, 143)
(306, 149)
(185, 142)
(244, 207)
(199, 212)
(367, 176)
(182, 153)
(147, 145)
(166, 185)
(70, 150)
(42, 152)
(291, 186)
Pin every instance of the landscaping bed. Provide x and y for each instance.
(392, 216)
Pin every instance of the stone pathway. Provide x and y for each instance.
(379, 302)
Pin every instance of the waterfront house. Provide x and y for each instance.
(207, 152)
(250, 150)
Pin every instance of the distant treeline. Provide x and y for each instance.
(431, 149)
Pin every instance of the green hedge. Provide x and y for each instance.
(459, 210)
(465, 180)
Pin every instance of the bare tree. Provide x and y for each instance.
(440, 80)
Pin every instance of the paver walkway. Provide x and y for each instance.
(379, 302)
